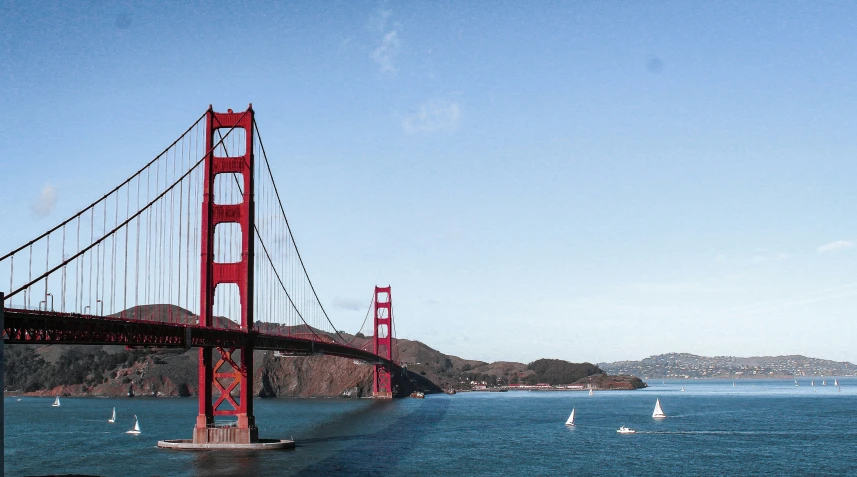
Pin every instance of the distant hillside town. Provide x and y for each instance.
(691, 366)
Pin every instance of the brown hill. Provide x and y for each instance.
(116, 371)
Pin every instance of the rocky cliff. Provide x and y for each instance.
(162, 373)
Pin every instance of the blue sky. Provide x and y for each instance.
(586, 181)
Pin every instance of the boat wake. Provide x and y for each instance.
(722, 433)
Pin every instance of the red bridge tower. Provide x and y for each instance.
(233, 368)
(383, 341)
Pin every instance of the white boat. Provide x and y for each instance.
(796, 384)
(682, 389)
(733, 384)
(56, 402)
(19, 399)
(136, 429)
(836, 382)
(590, 392)
(570, 421)
(113, 419)
(659, 413)
(625, 430)
(812, 383)
(824, 382)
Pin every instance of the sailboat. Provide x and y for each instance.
(824, 382)
(682, 389)
(733, 384)
(136, 429)
(113, 419)
(570, 421)
(590, 392)
(836, 382)
(56, 402)
(659, 413)
(812, 383)
(796, 384)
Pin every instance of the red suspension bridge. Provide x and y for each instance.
(192, 250)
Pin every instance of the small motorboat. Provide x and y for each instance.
(625, 430)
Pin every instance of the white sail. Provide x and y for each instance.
(590, 392)
(824, 382)
(570, 421)
(682, 389)
(836, 382)
(136, 429)
(658, 411)
(113, 419)
(56, 402)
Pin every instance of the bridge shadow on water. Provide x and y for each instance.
(379, 452)
(366, 442)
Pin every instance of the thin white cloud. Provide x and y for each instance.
(435, 115)
(44, 204)
(678, 287)
(350, 304)
(836, 246)
(378, 22)
(833, 293)
(386, 53)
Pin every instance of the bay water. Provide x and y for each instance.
(759, 427)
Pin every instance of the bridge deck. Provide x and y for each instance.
(33, 327)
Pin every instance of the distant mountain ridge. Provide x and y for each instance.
(691, 366)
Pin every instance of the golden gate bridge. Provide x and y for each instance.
(192, 250)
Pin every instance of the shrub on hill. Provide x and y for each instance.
(557, 371)
(26, 371)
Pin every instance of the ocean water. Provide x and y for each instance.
(753, 428)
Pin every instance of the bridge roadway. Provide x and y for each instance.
(33, 327)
